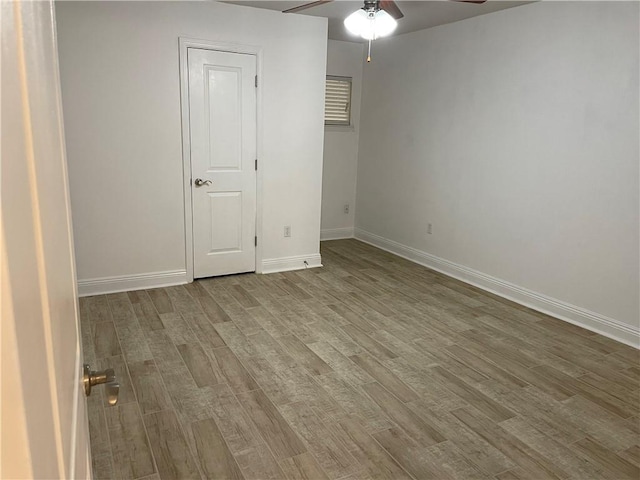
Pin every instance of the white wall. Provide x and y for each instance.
(121, 94)
(339, 172)
(516, 135)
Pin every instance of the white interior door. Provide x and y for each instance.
(44, 421)
(222, 117)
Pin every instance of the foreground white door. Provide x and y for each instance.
(222, 117)
(44, 422)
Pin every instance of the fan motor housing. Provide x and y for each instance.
(371, 5)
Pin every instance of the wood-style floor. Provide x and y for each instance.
(369, 368)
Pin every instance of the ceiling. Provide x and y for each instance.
(418, 14)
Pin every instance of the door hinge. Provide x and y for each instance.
(255, 241)
(256, 164)
(256, 81)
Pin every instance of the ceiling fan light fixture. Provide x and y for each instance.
(370, 24)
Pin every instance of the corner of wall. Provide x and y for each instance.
(341, 146)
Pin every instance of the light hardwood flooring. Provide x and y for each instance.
(369, 368)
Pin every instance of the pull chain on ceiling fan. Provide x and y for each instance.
(377, 18)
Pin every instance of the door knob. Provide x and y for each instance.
(108, 377)
(199, 182)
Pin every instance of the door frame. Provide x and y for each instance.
(226, 47)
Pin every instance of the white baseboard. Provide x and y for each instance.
(99, 286)
(595, 322)
(336, 233)
(285, 264)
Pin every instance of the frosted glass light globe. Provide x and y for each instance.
(370, 24)
(384, 24)
(356, 22)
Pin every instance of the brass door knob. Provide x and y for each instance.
(106, 377)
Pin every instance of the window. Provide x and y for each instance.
(337, 102)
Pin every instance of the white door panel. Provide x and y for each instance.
(222, 117)
(44, 419)
(225, 207)
(223, 96)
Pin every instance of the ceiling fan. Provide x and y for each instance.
(388, 6)
(377, 18)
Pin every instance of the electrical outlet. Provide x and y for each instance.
(429, 229)
(346, 208)
(287, 231)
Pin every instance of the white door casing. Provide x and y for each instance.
(222, 129)
(44, 420)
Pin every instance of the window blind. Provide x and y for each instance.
(337, 104)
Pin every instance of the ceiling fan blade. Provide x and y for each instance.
(299, 8)
(391, 8)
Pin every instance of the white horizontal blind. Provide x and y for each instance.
(337, 103)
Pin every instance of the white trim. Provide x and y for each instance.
(125, 283)
(609, 327)
(285, 264)
(184, 44)
(336, 233)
